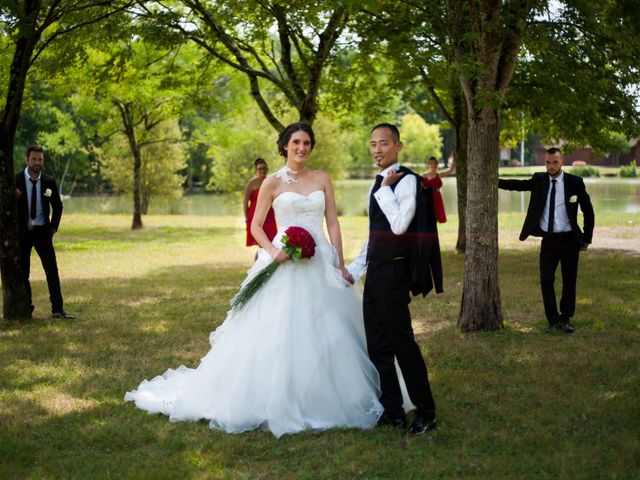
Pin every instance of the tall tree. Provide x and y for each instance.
(486, 37)
(32, 26)
(287, 44)
(137, 88)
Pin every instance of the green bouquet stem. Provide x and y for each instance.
(294, 253)
(245, 293)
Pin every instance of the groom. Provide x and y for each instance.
(387, 261)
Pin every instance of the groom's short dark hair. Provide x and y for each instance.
(395, 133)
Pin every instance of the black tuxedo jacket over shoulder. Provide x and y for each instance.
(51, 205)
(419, 244)
(538, 185)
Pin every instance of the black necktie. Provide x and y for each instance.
(376, 186)
(34, 198)
(552, 206)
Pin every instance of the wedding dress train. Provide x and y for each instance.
(293, 359)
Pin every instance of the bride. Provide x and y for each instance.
(294, 358)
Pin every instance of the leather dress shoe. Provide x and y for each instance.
(422, 425)
(62, 314)
(561, 326)
(553, 327)
(566, 327)
(398, 422)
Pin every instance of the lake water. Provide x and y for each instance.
(607, 195)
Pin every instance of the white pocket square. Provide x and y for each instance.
(573, 199)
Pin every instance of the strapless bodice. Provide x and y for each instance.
(306, 211)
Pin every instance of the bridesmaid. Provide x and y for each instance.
(433, 179)
(249, 203)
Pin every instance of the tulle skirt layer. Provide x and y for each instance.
(293, 359)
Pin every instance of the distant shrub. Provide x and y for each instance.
(629, 171)
(585, 171)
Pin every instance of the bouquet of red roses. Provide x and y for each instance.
(297, 244)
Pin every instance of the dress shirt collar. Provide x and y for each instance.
(391, 168)
(559, 178)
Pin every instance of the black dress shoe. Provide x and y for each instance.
(398, 421)
(566, 327)
(62, 314)
(422, 425)
(553, 327)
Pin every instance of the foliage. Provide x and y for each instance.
(163, 156)
(237, 140)
(286, 45)
(420, 140)
(234, 143)
(585, 171)
(629, 171)
(577, 75)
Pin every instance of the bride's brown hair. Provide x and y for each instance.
(285, 136)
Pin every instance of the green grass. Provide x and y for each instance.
(517, 403)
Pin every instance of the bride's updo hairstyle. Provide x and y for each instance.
(285, 136)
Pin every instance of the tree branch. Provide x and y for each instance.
(436, 98)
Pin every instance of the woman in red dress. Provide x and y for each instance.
(433, 179)
(250, 199)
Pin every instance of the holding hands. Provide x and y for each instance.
(346, 274)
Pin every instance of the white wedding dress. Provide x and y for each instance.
(293, 359)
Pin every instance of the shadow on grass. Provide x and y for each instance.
(514, 403)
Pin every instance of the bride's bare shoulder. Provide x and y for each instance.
(320, 175)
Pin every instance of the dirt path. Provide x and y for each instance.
(625, 240)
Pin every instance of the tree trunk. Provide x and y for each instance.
(481, 307)
(146, 199)
(137, 187)
(15, 303)
(129, 128)
(486, 38)
(461, 119)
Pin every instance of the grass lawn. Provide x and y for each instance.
(518, 403)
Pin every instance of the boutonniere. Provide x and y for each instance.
(573, 199)
(48, 192)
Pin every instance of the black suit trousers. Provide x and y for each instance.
(562, 248)
(389, 334)
(41, 239)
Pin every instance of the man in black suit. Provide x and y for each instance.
(387, 260)
(553, 215)
(39, 213)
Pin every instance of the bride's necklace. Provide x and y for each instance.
(285, 174)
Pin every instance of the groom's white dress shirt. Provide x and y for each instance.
(399, 206)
